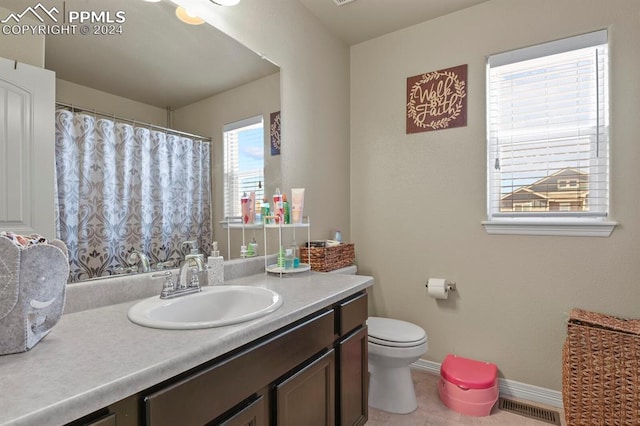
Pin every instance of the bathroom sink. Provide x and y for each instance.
(214, 306)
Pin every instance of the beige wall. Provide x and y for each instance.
(26, 48)
(417, 200)
(314, 101)
(92, 99)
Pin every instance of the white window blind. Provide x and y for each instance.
(243, 163)
(548, 148)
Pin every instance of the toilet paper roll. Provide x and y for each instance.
(438, 288)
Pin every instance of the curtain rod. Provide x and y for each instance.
(74, 108)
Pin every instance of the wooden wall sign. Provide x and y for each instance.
(274, 132)
(437, 100)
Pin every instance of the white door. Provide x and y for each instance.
(27, 138)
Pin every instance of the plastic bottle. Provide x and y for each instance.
(258, 218)
(253, 247)
(264, 210)
(288, 259)
(215, 266)
(245, 207)
(286, 209)
(278, 211)
(296, 254)
(281, 255)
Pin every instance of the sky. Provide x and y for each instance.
(251, 153)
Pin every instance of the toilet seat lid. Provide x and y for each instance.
(394, 331)
(468, 373)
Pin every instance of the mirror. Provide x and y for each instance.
(180, 76)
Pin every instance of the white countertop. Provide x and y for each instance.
(94, 358)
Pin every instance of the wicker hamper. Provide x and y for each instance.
(325, 259)
(601, 370)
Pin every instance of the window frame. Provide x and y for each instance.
(543, 223)
(229, 127)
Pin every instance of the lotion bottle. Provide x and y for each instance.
(215, 264)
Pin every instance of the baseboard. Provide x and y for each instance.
(508, 388)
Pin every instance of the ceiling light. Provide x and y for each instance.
(225, 2)
(187, 17)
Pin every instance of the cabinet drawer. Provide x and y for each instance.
(207, 394)
(352, 313)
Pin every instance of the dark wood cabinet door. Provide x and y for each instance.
(352, 379)
(252, 415)
(308, 396)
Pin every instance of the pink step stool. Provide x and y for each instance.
(467, 386)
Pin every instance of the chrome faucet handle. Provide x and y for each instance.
(165, 265)
(168, 287)
(195, 282)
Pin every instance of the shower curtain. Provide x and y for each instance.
(122, 188)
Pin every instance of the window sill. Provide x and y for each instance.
(575, 228)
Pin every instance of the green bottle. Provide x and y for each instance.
(281, 257)
(287, 210)
(264, 211)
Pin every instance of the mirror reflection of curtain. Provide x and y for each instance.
(122, 188)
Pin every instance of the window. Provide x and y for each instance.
(243, 163)
(568, 184)
(548, 144)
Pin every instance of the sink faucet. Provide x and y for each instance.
(193, 264)
(140, 259)
(171, 290)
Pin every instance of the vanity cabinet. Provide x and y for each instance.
(352, 386)
(311, 372)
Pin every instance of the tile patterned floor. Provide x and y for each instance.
(432, 412)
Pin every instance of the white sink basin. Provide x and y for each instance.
(212, 307)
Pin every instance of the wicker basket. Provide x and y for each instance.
(325, 259)
(601, 370)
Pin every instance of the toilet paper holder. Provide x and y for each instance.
(451, 286)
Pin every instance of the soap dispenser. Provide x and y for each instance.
(194, 253)
(215, 265)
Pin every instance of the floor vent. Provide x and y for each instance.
(533, 412)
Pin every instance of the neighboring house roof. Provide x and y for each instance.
(548, 187)
(523, 194)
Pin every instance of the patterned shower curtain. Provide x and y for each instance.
(122, 188)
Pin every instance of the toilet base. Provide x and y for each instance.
(391, 390)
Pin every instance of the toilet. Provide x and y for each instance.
(393, 346)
